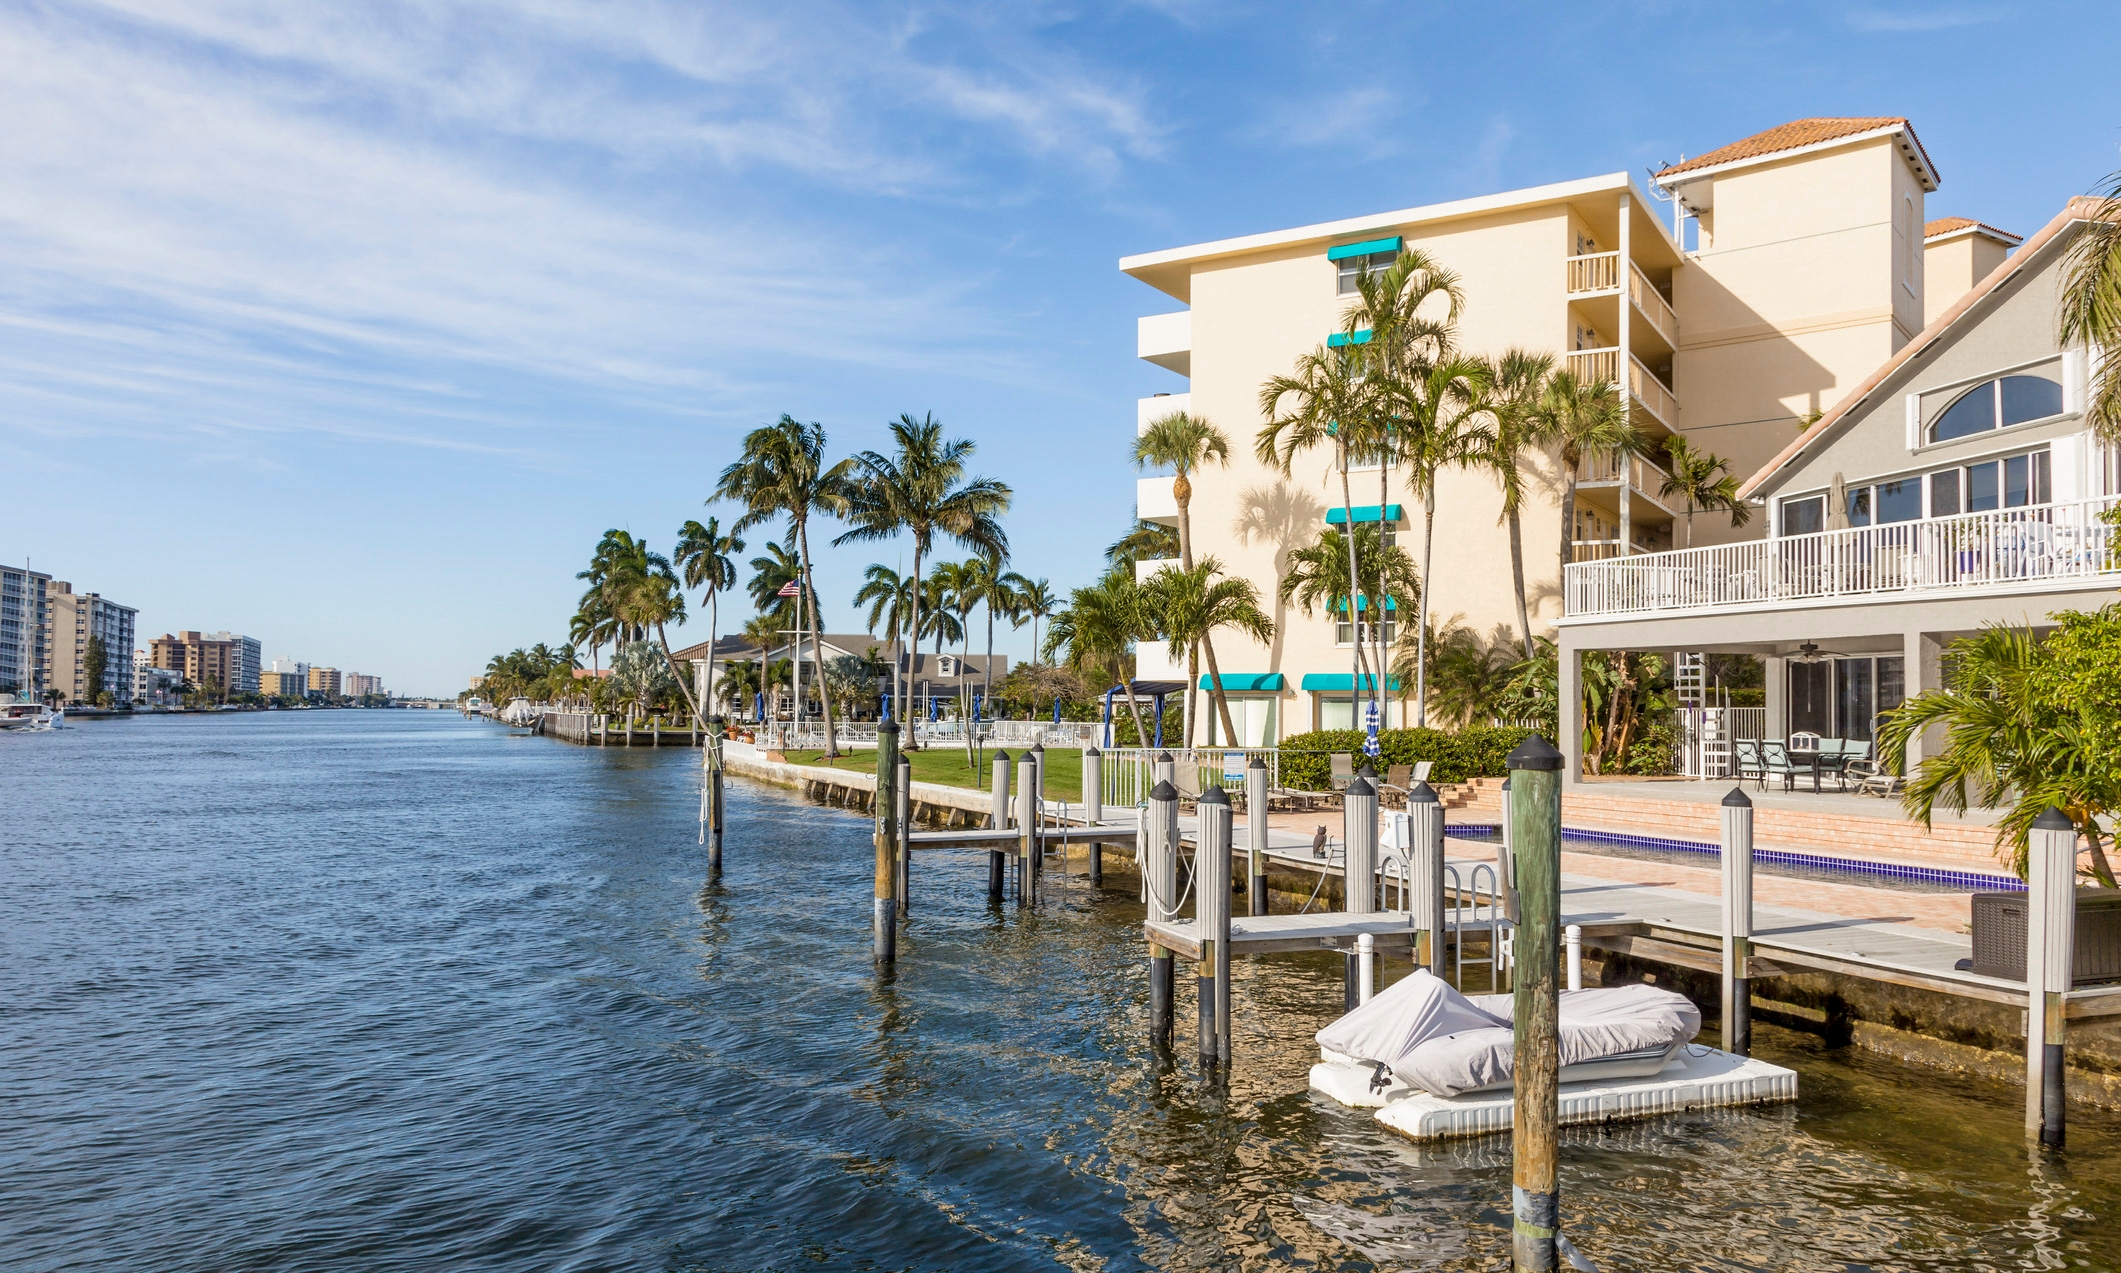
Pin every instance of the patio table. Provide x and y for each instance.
(1808, 757)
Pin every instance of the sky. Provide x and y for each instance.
(352, 327)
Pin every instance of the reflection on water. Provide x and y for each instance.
(396, 991)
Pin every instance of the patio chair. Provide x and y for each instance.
(1399, 780)
(1873, 779)
(1832, 759)
(1343, 769)
(1746, 754)
(1775, 763)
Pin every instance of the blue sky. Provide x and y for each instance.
(352, 327)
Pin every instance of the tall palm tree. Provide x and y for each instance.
(1704, 481)
(889, 596)
(771, 572)
(1442, 418)
(1583, 417)
(988, 585)
(921, 489)
(649, 596)
(1317, 576)
(1189, 604)
(1148, 541)
(763, 630)
(2091, 305)
(1516, 388)
(1326, 401)
(1184, 443)
(783, 473)
(1096, 629)
(703, 555)
(1035, 601)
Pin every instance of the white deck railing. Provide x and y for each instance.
(1651, 304)
(2014, 549)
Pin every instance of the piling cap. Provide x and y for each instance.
(1001, 758)
(1361, 787)
(1038, 747)
(1091, 750)
(1506, 784)
(1421, 793)
(1533, 753)
(1164, 758)
(887, 726)
(1257, 762)
(1737, 799)
(1214, 795)
(1164, 791)
(2053, 819)
(1368, 770)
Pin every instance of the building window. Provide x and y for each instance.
(1803, 516)
(1352, 268)
(1344, 631)
(1998, 404)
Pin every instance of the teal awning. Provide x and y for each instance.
(1246, 682)
(1344, 682)
(1361, 603)
(1367, 247)
(1341, 339)
(1365, 513)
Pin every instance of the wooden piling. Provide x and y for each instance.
(1737, 814)
(655, 732)
(1160, 881)
(998, 820)
(885, 932)
(1211, 913)
(1256, 835)
(713, 759)
(1425, 871)
(1027, 831)
(2050, 946)
(1534, 813)
(1359, 873)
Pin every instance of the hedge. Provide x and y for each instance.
(1306, 759)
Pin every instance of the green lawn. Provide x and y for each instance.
(1064, 768)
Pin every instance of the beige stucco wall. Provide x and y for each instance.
(1951, 267)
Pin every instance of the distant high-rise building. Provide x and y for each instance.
(154, 686)
(71, 618)
(23, 612)
(325, 681)
(361, 685)
(231, 660)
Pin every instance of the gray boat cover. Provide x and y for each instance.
(1438, 1040)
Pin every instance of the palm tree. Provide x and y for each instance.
(989, 585)
(764, 632)
(1317, 576)
(1096, 628)
(703, 554)
(783, 473)
(645, 594)
(2008, 738)
(1516, 384)
(1583, 417)
(921, 489)
(2091, 306)
(1183, 443)
(1703, 480)
(1148, 541)
(1442, 412)
(1034, 602)
(1189, 604)
(770, 573)
(1469, 674)
(889, 596)
(1329, 404)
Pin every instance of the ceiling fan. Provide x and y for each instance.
(1809, 652)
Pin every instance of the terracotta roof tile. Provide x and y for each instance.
(1802, 132)
(1951, 225)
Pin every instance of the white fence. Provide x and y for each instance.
(996, 733)
(1130, 772)
(1706, 735)
(2005, 549)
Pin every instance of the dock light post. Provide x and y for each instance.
(1211, 914)
(1572, 948)
(1256, 833)
(1425, 856)
(1160, 881)
(2050, 943)
(1027, 831)
(1000, 819)
(904, 795)
(1737, 815)
(1359, 872)
(1366, 957)
(1534, 813)
(884, 948)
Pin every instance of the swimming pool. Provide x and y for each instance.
(1784, 862)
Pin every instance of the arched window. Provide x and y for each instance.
(1998, 404)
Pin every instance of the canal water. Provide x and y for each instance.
(397, 991)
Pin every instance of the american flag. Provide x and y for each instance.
(788, 589)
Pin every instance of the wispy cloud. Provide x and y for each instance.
(1331, 119)
(1926, 19)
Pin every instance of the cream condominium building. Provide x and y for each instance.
(1757, 285)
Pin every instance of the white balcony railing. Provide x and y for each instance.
(1594, 272)
(1651, 393)
(2008, 550)
(1642, 474)
(1652, 305)
(1595, 366)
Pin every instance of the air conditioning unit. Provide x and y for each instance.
(946, 666)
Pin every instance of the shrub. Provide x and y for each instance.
(1306, 762)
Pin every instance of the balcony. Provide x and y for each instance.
(1594, 273)
(2045, 548)
(1154, 500)
(1648, 392)
(1595, 277)
(1167, 341)
(1148, 411)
